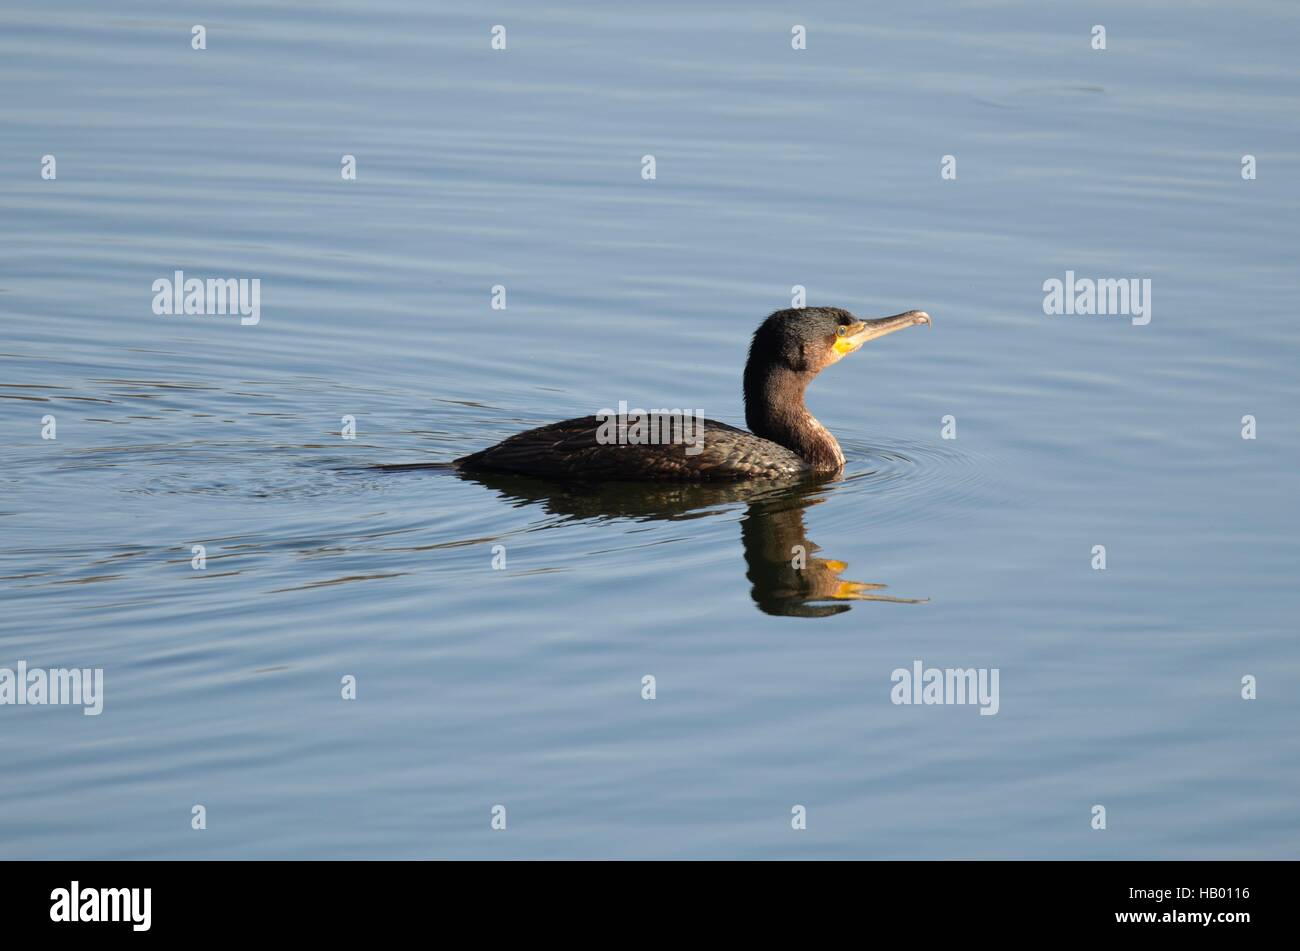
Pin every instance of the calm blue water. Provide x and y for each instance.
(522, 686)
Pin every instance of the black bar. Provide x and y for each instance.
(333, 900)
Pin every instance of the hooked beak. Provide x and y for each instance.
(858, 333)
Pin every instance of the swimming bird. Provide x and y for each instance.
(785, 440)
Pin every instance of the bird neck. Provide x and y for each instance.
(775, 410)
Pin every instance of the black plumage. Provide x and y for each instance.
(569, 449)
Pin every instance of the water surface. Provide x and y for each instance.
(522, 686)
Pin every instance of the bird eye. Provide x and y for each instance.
(841, 330)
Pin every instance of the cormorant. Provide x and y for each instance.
(789, 348)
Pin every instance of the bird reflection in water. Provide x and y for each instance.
(781, 563)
